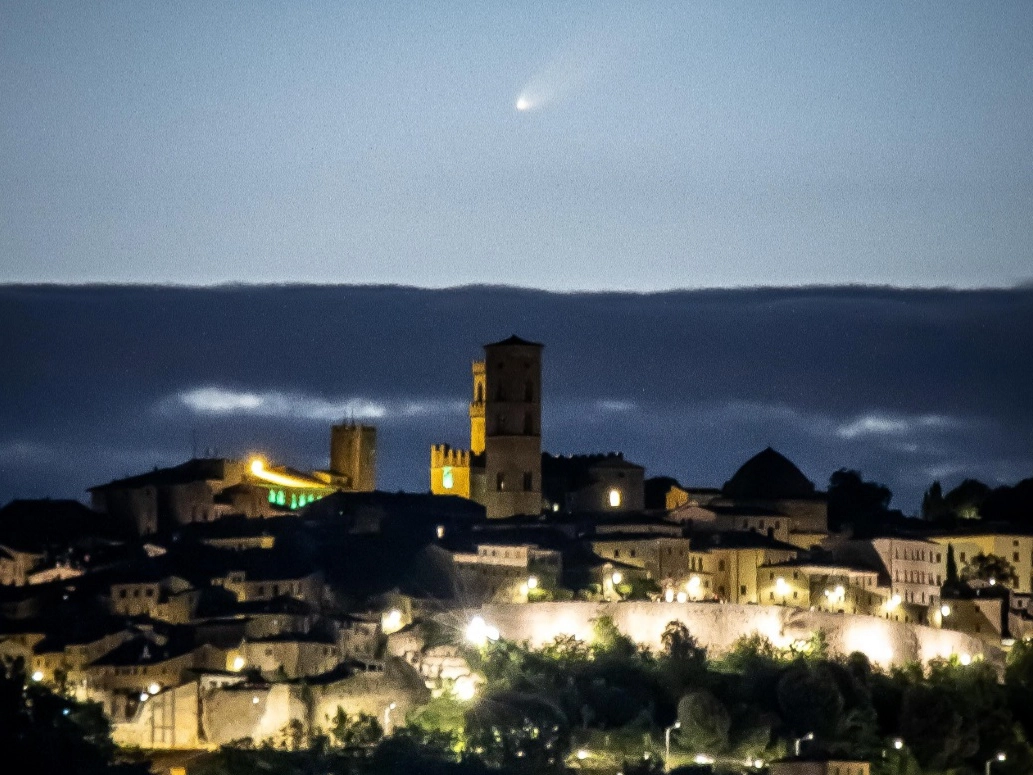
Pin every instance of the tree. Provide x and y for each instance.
(853, 501)
(50, 733)
(934, 507)
(358, 731)
(705, 723)
(990, 567)
(966, 500)
(952, 567)
(684, 661)
(519, 731)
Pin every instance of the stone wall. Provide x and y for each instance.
(719, 625)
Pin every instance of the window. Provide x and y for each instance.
(1015, 556)
(632, 552)
(500, 481)
(963, 557)
(615, 498)
(528, 481)
(447, 481)
(742, 590)
(720, 564)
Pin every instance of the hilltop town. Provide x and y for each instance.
(227, 599)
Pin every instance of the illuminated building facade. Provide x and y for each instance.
(502, 470)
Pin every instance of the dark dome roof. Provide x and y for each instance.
(768, 475)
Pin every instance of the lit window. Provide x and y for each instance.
(279, 498)
(615, 498)
(272, 496)
(446, 477)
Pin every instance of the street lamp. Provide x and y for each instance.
(797, 741)
(999, 758)
(898, 743)
(387, 717)
(667, 742)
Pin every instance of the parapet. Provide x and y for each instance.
(442, 455)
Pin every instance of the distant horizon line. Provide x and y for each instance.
(1024, 285)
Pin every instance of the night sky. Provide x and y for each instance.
(665, 145)
(907, 386)
(868, 166)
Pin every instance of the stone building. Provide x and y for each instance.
(1016, 548)
(592, 483)
(503, 468)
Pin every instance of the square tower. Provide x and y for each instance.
(477, 409)
(512, 427)
(353, 455)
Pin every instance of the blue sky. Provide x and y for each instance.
(667, 145)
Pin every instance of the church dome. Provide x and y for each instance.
(768, 475)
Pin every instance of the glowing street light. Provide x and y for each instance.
(945, 610)
(387, 717)
(532, 582)
(617, 578)
(898, 743)
(582, 754)
(667, 741)
(1000, 757)
(154, 688)
(797, 741)
(37, 676)
(238, 664)
(702, 758)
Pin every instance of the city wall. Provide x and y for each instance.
(718, 625)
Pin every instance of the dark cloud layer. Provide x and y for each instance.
(100, 382)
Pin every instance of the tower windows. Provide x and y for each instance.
(528, 481)
(500, 481)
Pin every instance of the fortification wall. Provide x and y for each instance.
(719, 625)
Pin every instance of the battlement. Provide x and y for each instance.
(442, 455)
(478, 368)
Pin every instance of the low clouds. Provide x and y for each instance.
(886, 425)
(212, 400)
(902, 385)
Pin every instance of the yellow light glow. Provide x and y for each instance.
(693, 584)
(615, 498)
(682, 597)
(780, 586)
(391, 621)
(238, 664)
(965, 659)
(37, 676)
(617, 577)
(465, 688)
(669, 595)
(893, 603)
(259, 470)
(582, 754)
(532, 582)
(479, 632)
(154, 688)
(945, 610)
